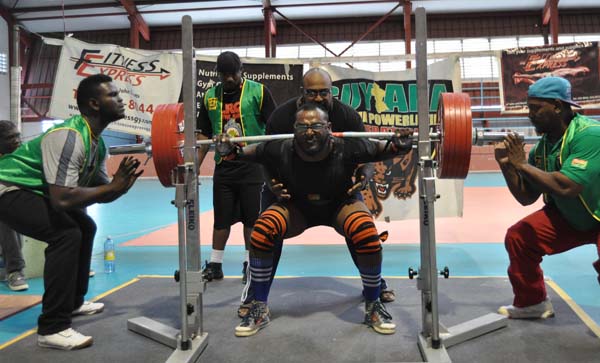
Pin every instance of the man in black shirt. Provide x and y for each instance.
(236, 107)
(315, 201)
(316, 89)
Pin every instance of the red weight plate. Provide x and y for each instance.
(456, 138)
(465, 138)
(167, 136)
(445, 165)
(456, 125)
(440, 119)
(449, 117)
(462, 152)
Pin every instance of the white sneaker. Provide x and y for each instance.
(89, 308)
(542, 310)
(67, 339)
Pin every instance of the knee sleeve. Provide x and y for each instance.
(359, 227)
(269, 227)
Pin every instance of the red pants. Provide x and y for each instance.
(544, 232)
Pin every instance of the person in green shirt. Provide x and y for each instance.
(564, 166)
(46, 185)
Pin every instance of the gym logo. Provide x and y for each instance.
(212, 103)
(384, 105)
(579, 164)
(395, 176)
(118, 66)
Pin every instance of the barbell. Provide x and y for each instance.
(453, 137)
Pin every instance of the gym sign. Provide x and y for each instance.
(385, 105)
(141, 76)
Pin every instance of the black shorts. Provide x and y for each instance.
(324, 213)
(235, 201)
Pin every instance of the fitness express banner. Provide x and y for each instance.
(387, 101)
(577, 62)
(283, 80)
(145, 79)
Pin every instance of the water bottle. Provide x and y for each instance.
(109, 255)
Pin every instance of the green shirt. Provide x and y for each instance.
(27, 168)
(577, 156)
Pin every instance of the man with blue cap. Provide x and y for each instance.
(564, 166)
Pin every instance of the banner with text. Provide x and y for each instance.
(283, 80)
(145, 79)
(577, 62)
(386, 101)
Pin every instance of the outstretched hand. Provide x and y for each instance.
(126, 175)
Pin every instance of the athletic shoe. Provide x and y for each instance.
(542, 310)
(67, 339)
(92, 273)
(16, 281)
(378, 318)
(244, 273)
(258, 317)
(386, 295)
(244, 309)
(89, 308)
(212, 271)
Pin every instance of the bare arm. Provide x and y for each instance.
(517, 185)
(554, 183)
(65, 198)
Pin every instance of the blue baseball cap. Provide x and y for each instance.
(556, 88)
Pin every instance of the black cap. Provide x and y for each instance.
(228, 62)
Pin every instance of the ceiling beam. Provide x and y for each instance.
(136, 19)
(270, 29)
(371, 28)
(37, 9)
(550, 17)
(406, 13)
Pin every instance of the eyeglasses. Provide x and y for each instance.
(305, 127)
(314, 92)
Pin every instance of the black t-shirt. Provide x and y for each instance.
(317, 182)
(230, 110)
(341, 116)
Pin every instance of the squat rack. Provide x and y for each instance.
(191, 340)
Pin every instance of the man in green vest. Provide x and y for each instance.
(564, 166)
(236, 107)
(45, 186)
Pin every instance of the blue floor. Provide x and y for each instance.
(147, 208)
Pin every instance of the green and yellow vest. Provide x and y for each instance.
(251, 100)
(24, 167)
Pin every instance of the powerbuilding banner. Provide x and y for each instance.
(577, 62)
(283, 80)
(386, 101)
(145, 79)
